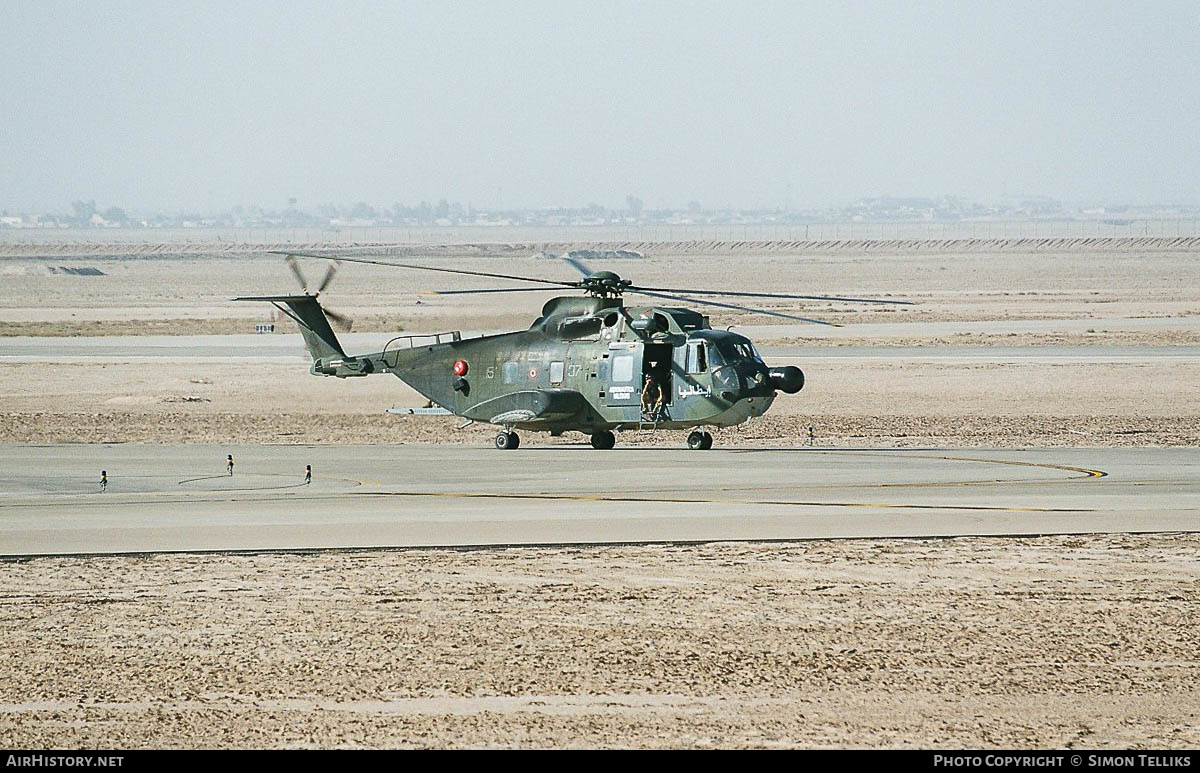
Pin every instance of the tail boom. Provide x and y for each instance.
(329, 359)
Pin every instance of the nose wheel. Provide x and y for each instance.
(700, 441)
(507, 441)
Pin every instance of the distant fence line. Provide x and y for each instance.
(1188, 225)
(52, 250)
(907, 246)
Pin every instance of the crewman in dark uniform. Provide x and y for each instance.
(307, 474)
(229, 463)
(103, 481)
(652, 396)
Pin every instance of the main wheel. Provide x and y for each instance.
(507, 441)
(695, 440)
(603, 440)
(707, 442)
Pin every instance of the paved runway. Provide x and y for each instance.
(290, 347)
(177, 498)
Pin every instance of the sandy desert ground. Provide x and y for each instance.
(1046, 642)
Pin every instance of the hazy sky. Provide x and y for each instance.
(194, 105)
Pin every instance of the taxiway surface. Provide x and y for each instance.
(290, 346)
(178, 498)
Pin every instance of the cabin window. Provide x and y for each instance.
(622, 368)
(697, 362)
(510, 373)
(556, 372)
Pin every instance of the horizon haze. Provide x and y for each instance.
(762, 105)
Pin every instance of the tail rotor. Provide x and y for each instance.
(340, 321)
(330, 273)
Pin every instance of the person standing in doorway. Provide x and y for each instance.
(652, 396)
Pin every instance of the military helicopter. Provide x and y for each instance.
(588, 364)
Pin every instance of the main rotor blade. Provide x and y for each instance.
(731, 306)
(493, 290)
(734, 294)
(430, 268)
(579, 265)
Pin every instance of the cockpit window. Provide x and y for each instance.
(739, 350)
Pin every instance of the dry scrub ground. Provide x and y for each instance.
(165, 292)
(1049, 642)
(862, 431)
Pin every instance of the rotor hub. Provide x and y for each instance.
(605, 284)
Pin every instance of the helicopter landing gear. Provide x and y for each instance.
(507, 441)
(603, 440)
(700, 441)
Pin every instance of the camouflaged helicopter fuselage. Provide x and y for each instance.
(580, 367)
